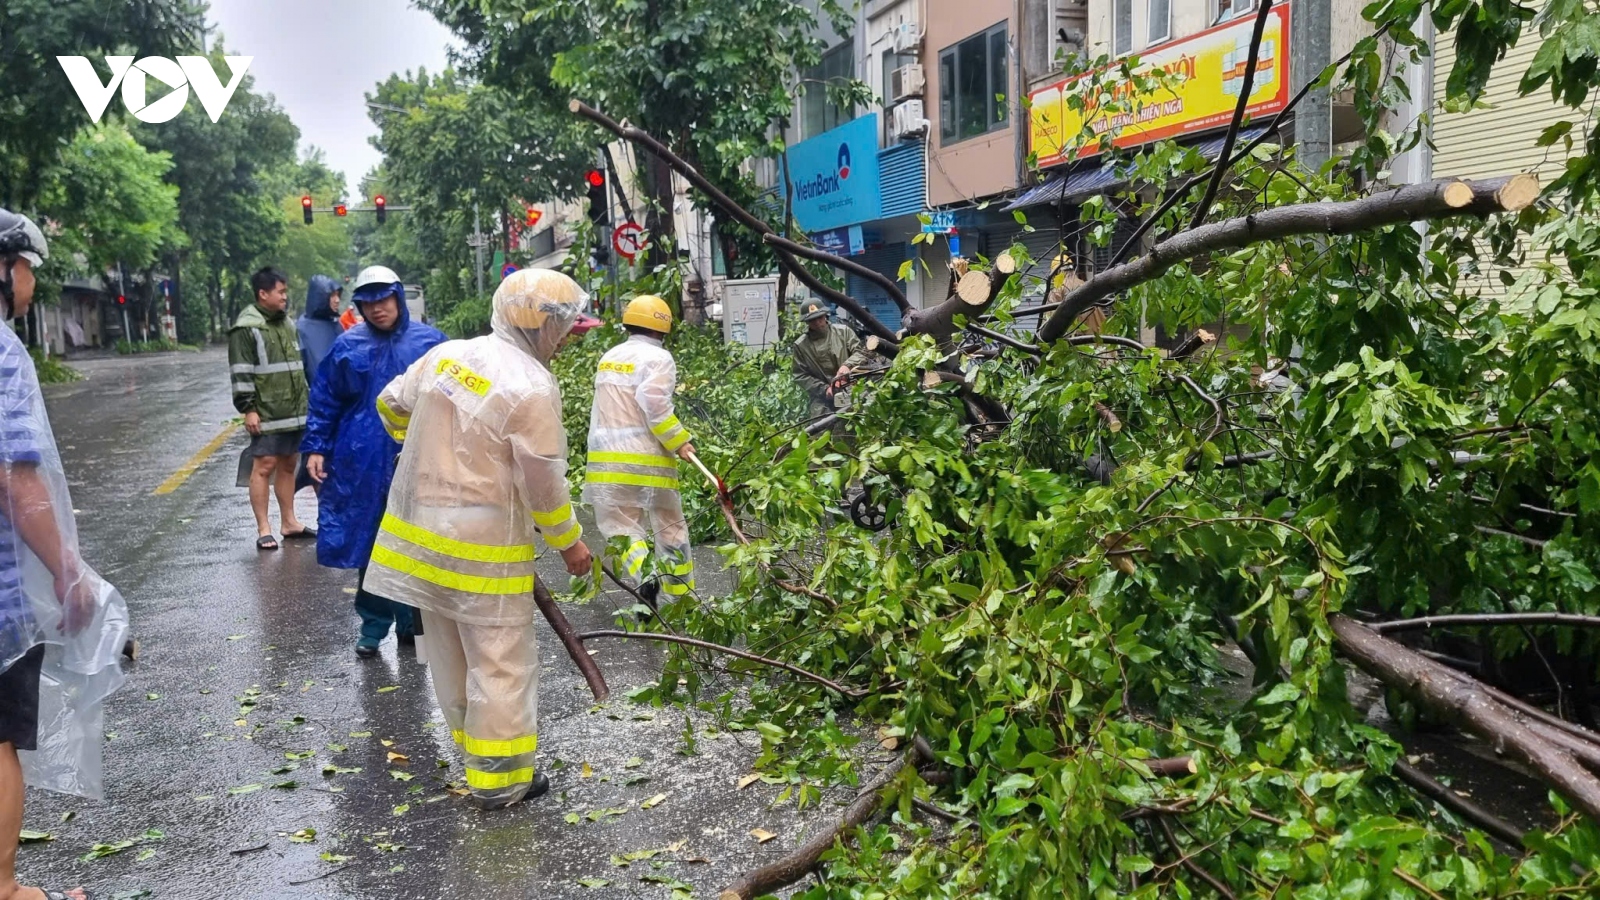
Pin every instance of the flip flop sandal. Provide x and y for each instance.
(74, 894)
(304, 534)
(266, 542)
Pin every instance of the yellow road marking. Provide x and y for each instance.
(177, 478)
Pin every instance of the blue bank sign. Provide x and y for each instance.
(836, 176)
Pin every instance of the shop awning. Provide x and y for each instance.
(1088, 179)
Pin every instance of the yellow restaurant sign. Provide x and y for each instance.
(1209, 70)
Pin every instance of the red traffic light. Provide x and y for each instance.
(378, 200)
(306, 201)
(595, 178)
(339, 209)
(122, 300)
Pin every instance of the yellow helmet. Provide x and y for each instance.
(648, 311)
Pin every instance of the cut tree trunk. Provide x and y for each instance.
(1456, 698)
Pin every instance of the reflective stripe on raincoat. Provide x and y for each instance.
(632, 477)
(268, 372)
(484, 466)
(345, 428)
(634, 431)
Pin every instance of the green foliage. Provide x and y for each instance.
(53, 370)
(108, 199)
(709, 77)
(39, 111)
(160, 345)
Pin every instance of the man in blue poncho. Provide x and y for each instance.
(347, 449)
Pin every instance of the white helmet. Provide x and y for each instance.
(374, 276)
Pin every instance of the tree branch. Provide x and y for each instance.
(839, 262)
(1410, 203)
(1471, 812)
(1487, 619)
(738, 213)
(571, 640)
(1225, 158)
(848, 693)
(796, 865)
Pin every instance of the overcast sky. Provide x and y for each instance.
(320, 57)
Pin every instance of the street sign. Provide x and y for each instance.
(628, 239)
(506, 270)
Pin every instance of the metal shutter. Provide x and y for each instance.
(885, 260)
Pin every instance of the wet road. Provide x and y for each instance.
(252, 755)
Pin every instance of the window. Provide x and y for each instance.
(1160, 21)
(1122, 28)
(974, 90)
(818, 113)
(1233, 9)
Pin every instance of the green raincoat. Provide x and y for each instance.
(817, 359)
(269, 375)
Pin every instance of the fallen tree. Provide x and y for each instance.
(1081, 525)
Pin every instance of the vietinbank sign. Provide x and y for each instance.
(180, 75)
(835, 176)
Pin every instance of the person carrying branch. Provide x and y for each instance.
(632, 479)
(483, 464)
(823, 359)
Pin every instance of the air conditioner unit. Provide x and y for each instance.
(906, 82)
(908, 119)
(907, 38)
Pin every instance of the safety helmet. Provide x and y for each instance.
(813, 310)
(535, 308)
(648, 311)
(20, 237)
(375, 283)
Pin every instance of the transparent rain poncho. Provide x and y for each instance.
(632, 476)
(483, 464)
(48, 594)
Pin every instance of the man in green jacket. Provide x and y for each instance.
(269, 387)
(823, 357)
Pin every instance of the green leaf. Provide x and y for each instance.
(1282, 692)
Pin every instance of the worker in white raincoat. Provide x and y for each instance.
(483, 464)
(632, 479)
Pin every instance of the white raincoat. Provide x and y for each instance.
(632, 477)
(482, 468)
(49, 597)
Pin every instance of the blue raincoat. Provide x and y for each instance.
(319, 325)
(343, 426)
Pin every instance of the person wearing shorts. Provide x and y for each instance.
(269, 388)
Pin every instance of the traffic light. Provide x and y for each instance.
(340, 210)
(599, 202)
(305, 207)
(534, 216)
(382, 207)
(122, 299)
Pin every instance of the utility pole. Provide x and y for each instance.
(477, 242)
(1309, 54)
